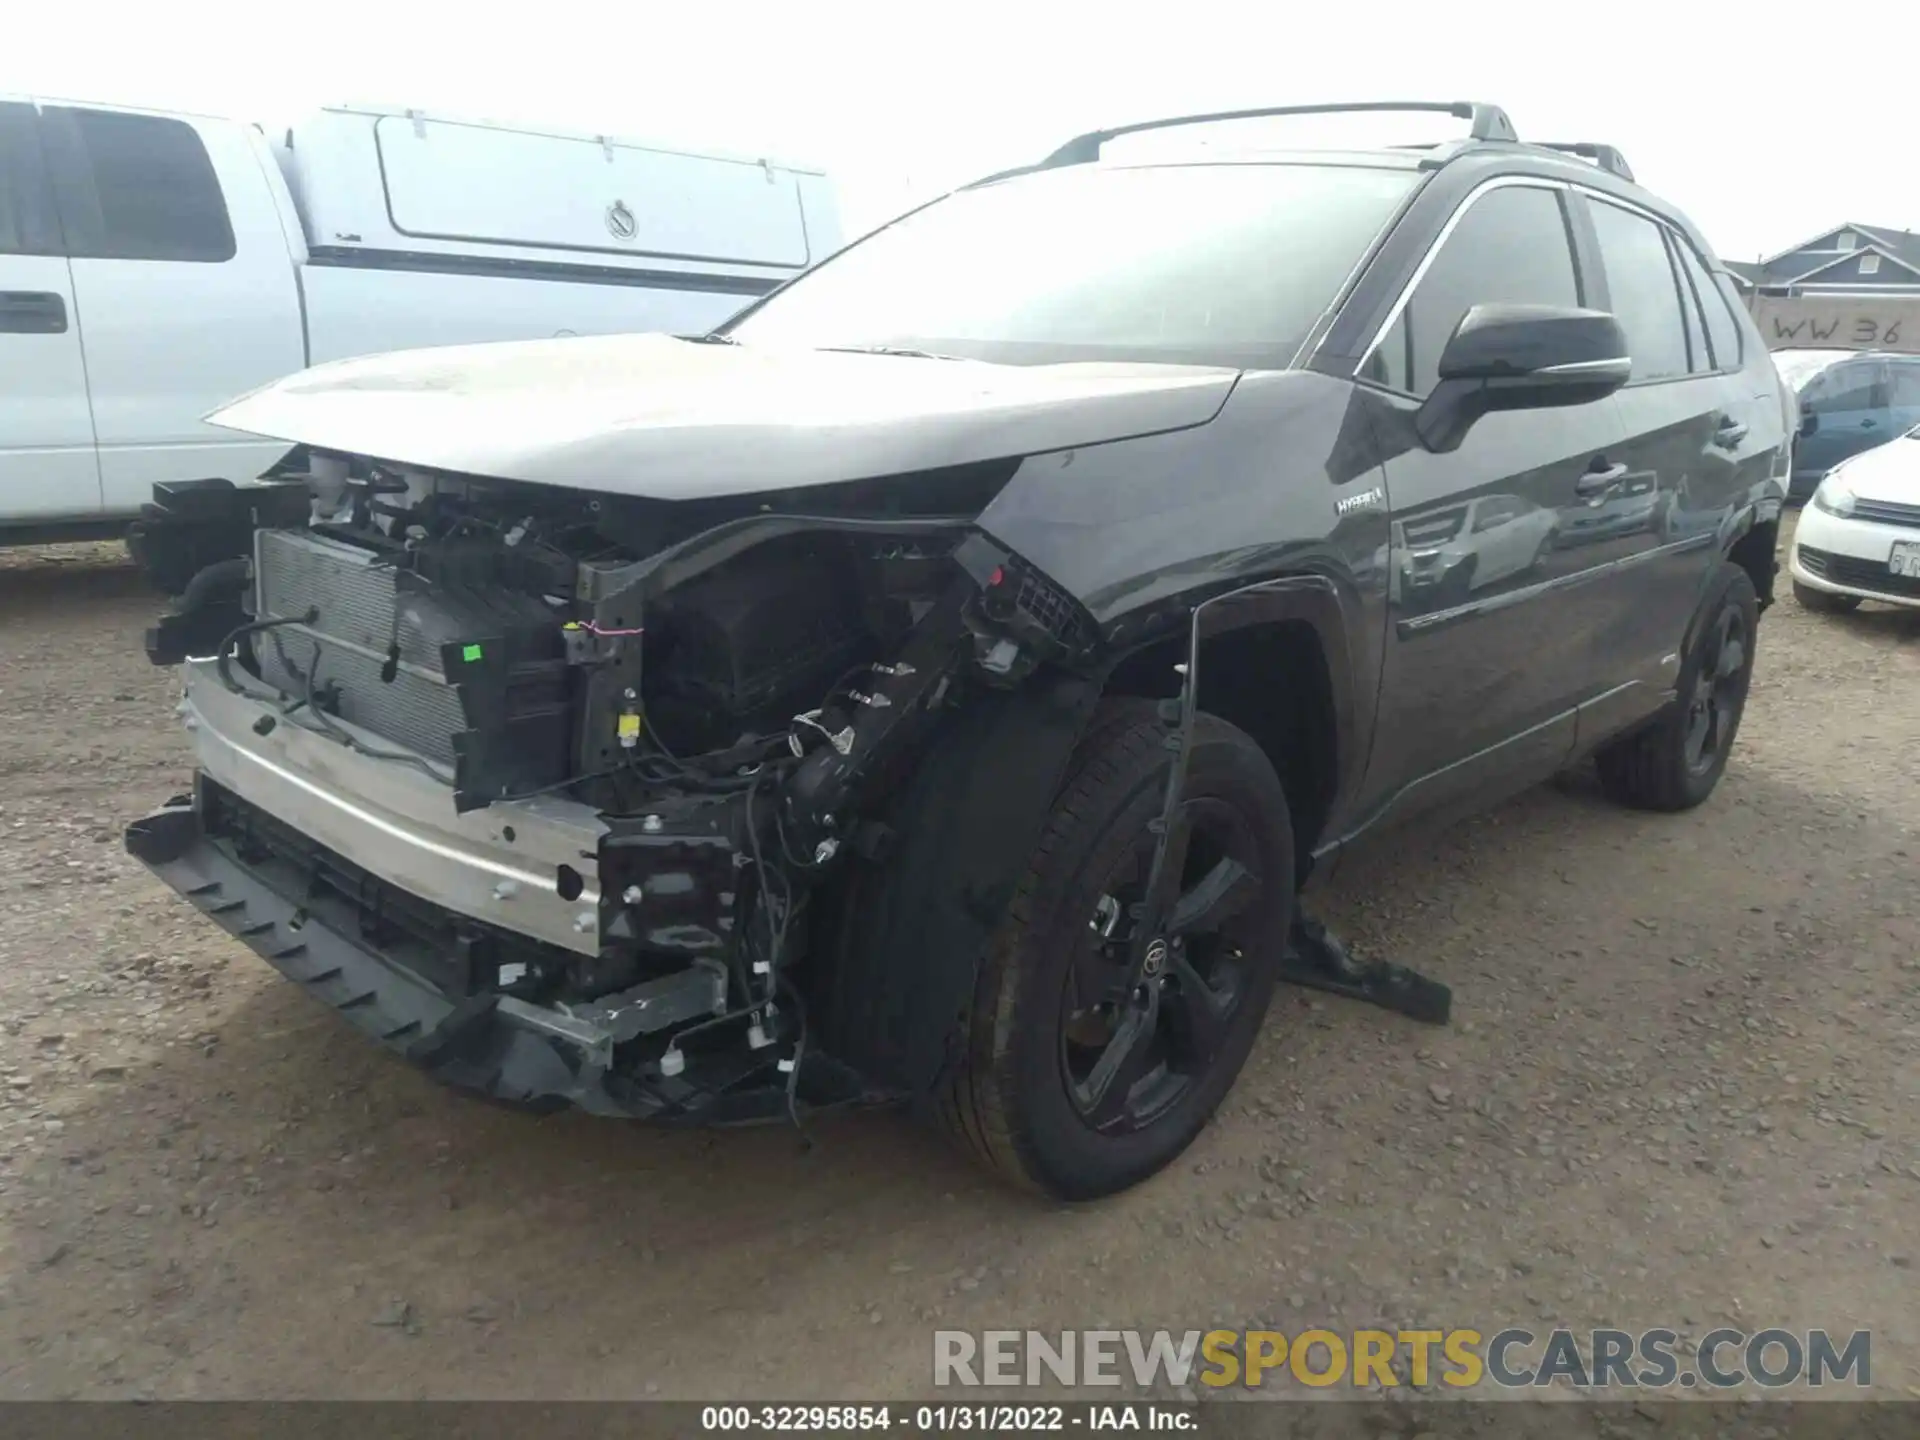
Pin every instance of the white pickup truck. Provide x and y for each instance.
(154, 266)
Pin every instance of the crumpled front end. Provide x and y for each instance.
(546, 790)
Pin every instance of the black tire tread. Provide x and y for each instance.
(1646, 770)
(971, 1103)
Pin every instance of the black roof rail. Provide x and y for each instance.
(1488, 122)
(1605, 156)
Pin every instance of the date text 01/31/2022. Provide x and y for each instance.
(944, 1419)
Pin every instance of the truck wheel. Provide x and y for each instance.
(1067, 1083)
(1675, 762)
(1824, 602)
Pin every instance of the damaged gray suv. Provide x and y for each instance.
(938, 684)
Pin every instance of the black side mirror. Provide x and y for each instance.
(1809, 422)
(1521, 357)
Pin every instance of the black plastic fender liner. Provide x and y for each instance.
(908, 931)
(191, 524)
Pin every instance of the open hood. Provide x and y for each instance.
(671, 419)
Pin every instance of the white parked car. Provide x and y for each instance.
(155, 266)
(1859, 538)
(1447, 555)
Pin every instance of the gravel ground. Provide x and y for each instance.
(1679, 1089)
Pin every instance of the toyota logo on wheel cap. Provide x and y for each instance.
(1156, 957)
(620, 222)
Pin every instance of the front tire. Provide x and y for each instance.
(1824, 602)
(1067, 1084)
(1676, 762)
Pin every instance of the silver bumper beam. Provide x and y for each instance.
(501, 864)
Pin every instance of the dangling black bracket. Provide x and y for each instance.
(1316, 958)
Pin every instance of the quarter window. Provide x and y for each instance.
(1510, 246)
(1644, 292)
(135, 187)
(1721, 331)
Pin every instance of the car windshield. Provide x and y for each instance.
(1216, 264)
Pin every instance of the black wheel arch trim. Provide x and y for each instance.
(1328, 606)
(1316, 600)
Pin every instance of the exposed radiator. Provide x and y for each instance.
(374, 649)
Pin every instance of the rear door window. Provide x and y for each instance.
(1645, 292)
(135, 187)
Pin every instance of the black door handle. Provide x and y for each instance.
(1600, 477)
(32, 312)
(1730, 433)
(1869, 423)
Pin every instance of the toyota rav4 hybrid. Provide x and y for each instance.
(937, 683)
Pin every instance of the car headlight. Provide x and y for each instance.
(1835, 496)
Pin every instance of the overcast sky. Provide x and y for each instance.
(1765, 131)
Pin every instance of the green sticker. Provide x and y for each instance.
(471, 653)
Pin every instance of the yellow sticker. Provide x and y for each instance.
(629, 727)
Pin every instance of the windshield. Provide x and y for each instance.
(1192, 264)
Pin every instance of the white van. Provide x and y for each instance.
(154, 266)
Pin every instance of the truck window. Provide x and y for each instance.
(27, 222)
(135, 187)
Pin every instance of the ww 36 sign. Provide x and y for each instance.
(1829, 322)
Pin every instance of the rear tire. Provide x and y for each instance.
(1824, 602)
(1674, 763)
(1016, 1099)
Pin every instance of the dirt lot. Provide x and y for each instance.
(1680, 1089)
